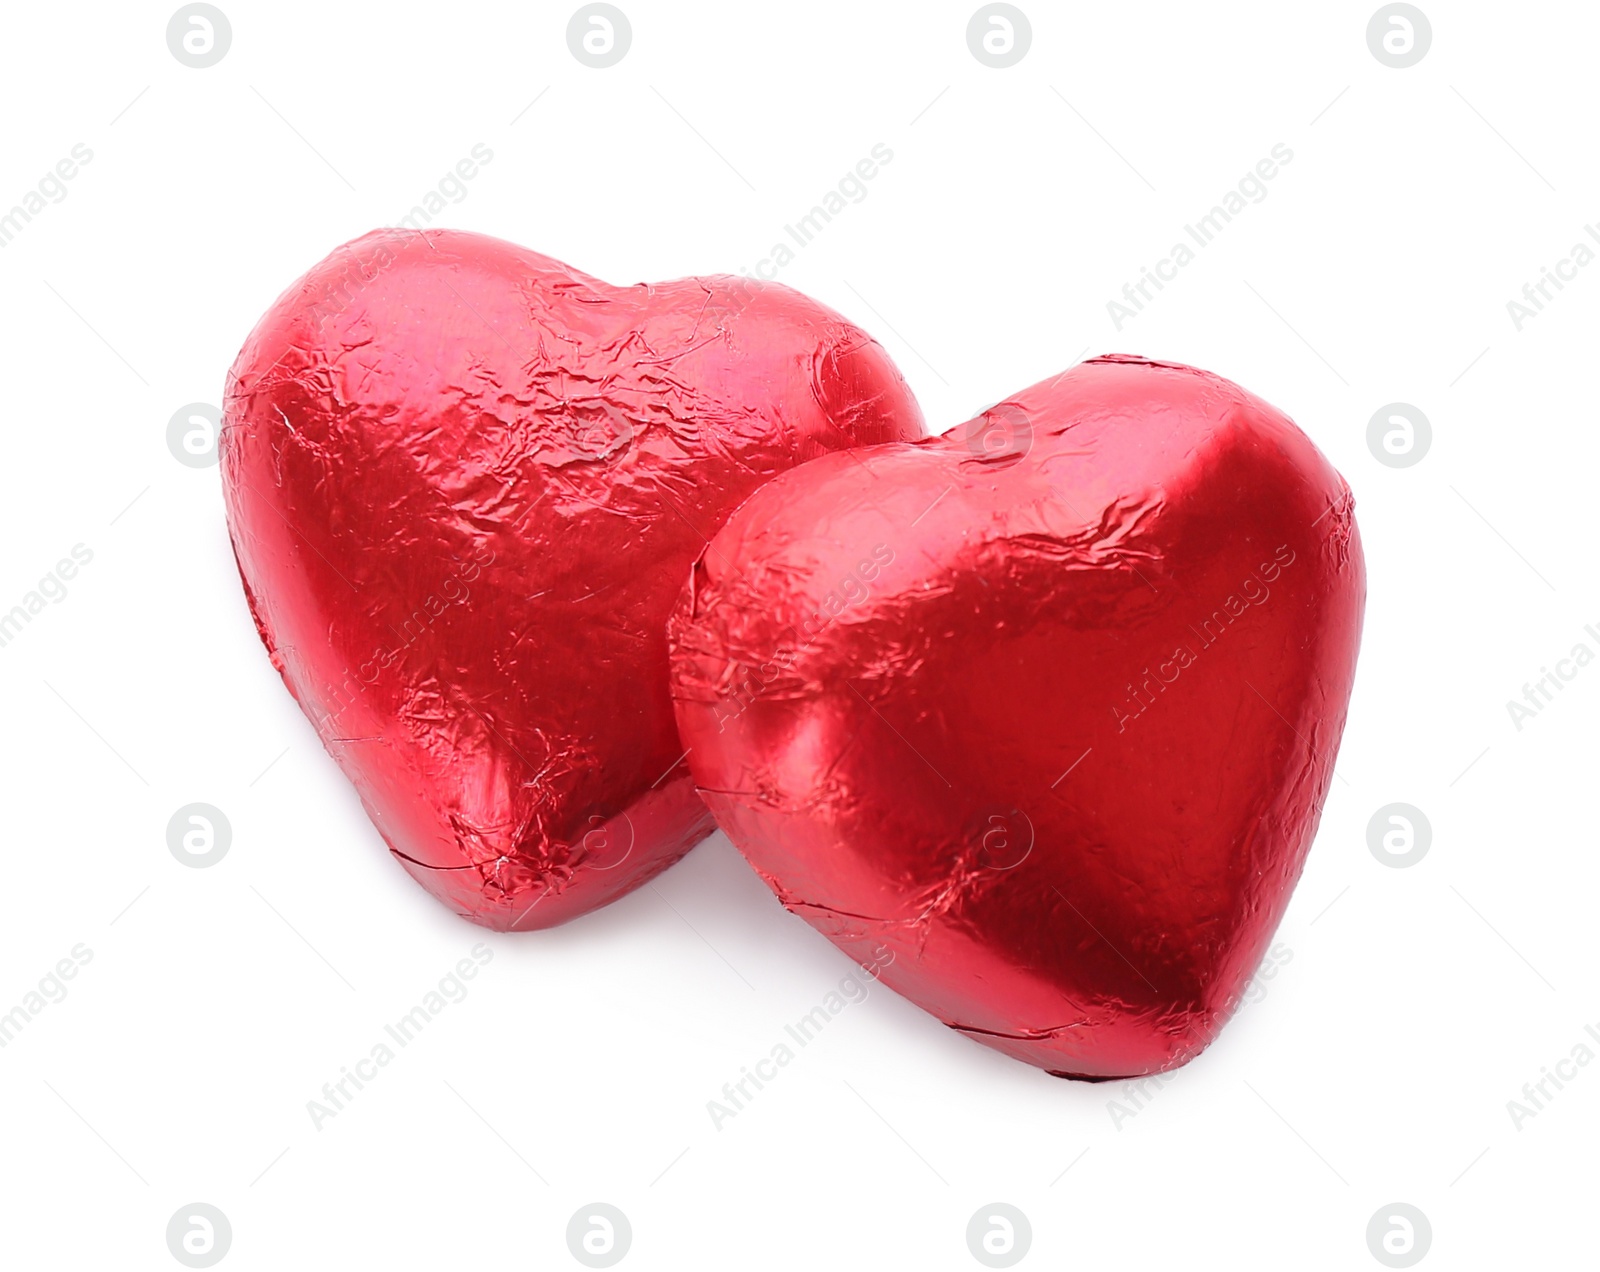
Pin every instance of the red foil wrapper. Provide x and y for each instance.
(465, 484)
(1038, 717)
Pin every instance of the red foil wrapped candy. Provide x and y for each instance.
(1046, 707)
(465, 484)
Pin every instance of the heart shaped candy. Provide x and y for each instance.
(1038, 716)
(465, 484)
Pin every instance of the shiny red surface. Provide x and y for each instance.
(1047, 706)
(465, 484)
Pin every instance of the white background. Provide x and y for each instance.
(1417, 1001)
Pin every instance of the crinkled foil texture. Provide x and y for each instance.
(1037, 718)
(465, 485)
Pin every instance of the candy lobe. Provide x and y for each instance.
(1050, 717)
(464, 485)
